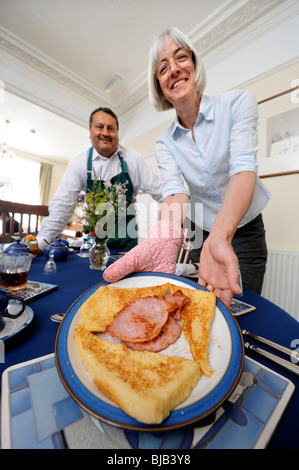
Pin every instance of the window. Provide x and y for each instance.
(19, 180)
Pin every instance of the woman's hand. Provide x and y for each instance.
(219, 266)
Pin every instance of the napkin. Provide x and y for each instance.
(182, 269)
(74, 242)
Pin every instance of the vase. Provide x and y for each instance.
(99, 254)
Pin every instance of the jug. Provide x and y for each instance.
(15, 262)
(5, 298)
(60, 248)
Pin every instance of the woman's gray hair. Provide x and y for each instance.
(155, 92)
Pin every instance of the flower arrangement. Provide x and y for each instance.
(99, 209)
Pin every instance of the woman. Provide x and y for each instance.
(213, 144)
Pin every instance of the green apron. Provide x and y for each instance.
(125, 242)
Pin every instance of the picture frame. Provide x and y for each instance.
(278, 130)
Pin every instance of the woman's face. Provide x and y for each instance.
(179, 84)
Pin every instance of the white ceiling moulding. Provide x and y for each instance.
(238, 26)
(235, 23)
(234, 16)
(45, 65)
(22, 61)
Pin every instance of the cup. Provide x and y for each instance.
(14, 271)
(5, 299)
(85, 247)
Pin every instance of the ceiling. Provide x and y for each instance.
(66, 51)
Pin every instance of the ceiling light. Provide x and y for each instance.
(112, 82)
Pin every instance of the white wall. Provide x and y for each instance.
(281, 214)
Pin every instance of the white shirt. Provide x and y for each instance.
(225, 143)
(63, 203)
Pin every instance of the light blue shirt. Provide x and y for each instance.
(225, 143)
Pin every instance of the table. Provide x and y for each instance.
(74, 278)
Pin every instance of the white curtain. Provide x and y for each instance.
(45, 182)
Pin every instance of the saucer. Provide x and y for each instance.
(14, 326)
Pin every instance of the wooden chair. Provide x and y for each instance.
(20, 219)
(72, 230)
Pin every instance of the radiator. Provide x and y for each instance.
(281, 282)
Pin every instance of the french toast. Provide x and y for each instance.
(196, 317)
(146, 385)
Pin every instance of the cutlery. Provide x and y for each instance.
(57, 317)
(278, 360)
(278, 347)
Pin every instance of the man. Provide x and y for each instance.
(111, 162)
(5, 217)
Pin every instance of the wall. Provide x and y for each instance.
(280, 218)
(57, 174)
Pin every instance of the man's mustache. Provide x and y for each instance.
(105, 138)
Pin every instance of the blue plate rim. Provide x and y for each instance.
(178, 418)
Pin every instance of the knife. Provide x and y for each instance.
(289, 352)
(278, 360)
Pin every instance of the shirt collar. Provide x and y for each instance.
(206, 111)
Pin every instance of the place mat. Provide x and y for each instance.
(35, 289)
(38, 413)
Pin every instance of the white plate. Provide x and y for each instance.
(225, 354)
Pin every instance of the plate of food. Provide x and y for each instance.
(150, 352)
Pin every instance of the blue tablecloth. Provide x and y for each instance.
(74, 277)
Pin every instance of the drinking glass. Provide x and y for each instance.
(85, 247)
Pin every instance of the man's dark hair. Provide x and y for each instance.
(105, 110)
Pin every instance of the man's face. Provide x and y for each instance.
(103, 134)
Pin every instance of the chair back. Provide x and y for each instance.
(20, 219)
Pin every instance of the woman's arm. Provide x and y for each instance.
(174, 208)
(236, 203)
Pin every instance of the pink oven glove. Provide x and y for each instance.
(157, 253)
